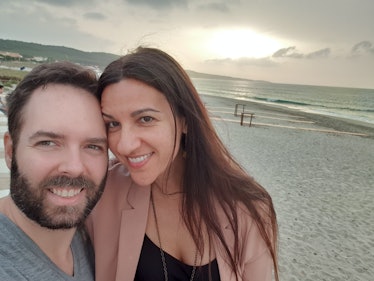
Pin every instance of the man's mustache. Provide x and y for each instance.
(64, 181)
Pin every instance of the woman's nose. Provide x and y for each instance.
(128, 141)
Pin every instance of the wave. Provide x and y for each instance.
(282, 101)
(285, 102)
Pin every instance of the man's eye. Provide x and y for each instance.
(146, 119)
(45, 143)
(95, 147)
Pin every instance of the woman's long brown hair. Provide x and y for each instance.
(211, 174)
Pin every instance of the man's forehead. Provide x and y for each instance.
(62, 109)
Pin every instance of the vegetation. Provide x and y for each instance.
(8, 77)
(13, 68)
(56, 53)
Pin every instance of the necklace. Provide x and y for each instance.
(165, 269)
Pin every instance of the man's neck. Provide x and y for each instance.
(54, 243)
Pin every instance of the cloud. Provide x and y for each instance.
(323, 53)
(95, 16)
(220, 7)
(271, 61)
(159, 4)
(289, 52)
(362, 48)
(66, 3)
(266, 61)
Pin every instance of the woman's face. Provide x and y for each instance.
(141, 129)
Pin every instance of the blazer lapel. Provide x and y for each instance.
(133, 225)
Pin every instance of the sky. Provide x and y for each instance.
(319, 42)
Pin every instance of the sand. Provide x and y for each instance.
(320, 174)
(321, 182)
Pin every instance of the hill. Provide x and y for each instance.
(53, 53)
(194, 74)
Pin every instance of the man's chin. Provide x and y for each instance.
(63, 219)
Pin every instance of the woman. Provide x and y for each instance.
(177, 206)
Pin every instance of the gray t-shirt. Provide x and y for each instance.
(21, 259)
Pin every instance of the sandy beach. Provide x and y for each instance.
(320, 173)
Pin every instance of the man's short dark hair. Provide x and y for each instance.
(65, 73)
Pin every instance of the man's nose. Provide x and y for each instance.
(72, 162)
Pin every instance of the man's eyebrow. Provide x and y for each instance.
(98, 140)
(52, 135)
(47, 134)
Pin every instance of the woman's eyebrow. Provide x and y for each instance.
(143, 110)
(135, 113)
(107, 115)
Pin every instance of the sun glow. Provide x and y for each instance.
(241, 43)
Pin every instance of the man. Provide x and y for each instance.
(56, 149)
(2, 103)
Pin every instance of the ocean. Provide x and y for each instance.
(350, 103)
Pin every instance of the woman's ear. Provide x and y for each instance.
(8, 149)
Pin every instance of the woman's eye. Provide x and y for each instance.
(112, 124)
(146, 119)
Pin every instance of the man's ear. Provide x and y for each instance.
(8, 149)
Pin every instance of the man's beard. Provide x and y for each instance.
(30, 199)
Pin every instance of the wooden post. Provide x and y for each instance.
(236, 108)
(246, 114)
(250, 120)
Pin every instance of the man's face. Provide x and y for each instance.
(59, 165)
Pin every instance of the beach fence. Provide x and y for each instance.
(243, 114)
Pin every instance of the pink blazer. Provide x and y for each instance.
(117, 228)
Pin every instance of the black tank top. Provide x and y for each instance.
(150, 266)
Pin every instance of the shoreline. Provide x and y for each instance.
(328, 121)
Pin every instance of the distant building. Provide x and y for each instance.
(39, 59)
(11, 55)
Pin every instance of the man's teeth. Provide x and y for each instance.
(67, 193)
(139, 159)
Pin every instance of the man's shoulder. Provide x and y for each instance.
(21, 259)
(7, 227)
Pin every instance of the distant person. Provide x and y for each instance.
(177, 206)
(2, 99)
(56, 149)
